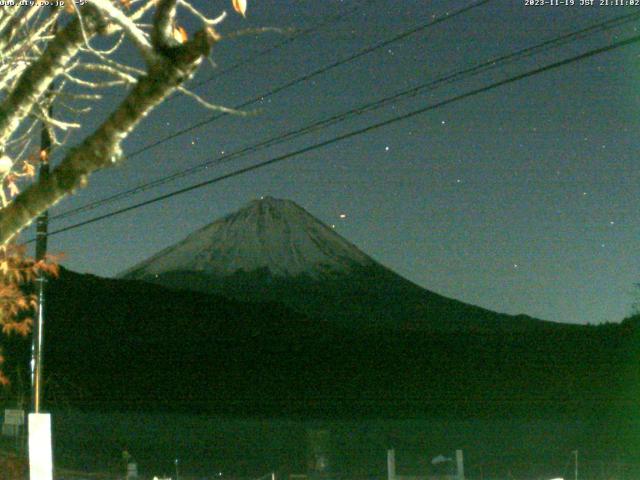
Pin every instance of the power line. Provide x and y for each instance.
(447, 16)
(309, 76)
(290, 39)
(328, 21)
(360, 131)
(487, 65)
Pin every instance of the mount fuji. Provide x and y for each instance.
(270, 234)
(273, 250)
(269, 312)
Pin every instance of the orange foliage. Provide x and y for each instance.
(240, 6)
(17, 271)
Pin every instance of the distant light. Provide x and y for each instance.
(386, 149)
(333, 225)
(343, 215)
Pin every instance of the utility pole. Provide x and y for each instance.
(575, 452)
(42, 226)
(391, 464)
(40, 446)
(39, 424)
(459, 465)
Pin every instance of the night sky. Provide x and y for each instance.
(522, 199)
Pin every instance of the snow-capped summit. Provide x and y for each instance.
(274, 251)
(268, 234)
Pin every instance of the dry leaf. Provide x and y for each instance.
(240, 6)
(28, 169)
(21, 328)
(183, 34)
(180, 34)
(13, 189)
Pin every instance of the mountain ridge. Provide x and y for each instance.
(268, 233)
(130, 345)
(331, 279)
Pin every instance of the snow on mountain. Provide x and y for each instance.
(273, 234)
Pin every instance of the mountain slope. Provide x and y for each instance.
(270, 234)
(121, 344)
(328, 332)
(273, 250)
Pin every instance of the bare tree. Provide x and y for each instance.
(40, 64)
(48, 55)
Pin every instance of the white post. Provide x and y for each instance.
(391, 464)
(40, 452)
(132, 471)
(460, 464)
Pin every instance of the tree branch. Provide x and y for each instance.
(102, 148)
(163, 22)
(35, 80)
(138, 37)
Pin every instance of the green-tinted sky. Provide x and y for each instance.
(522, 199)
